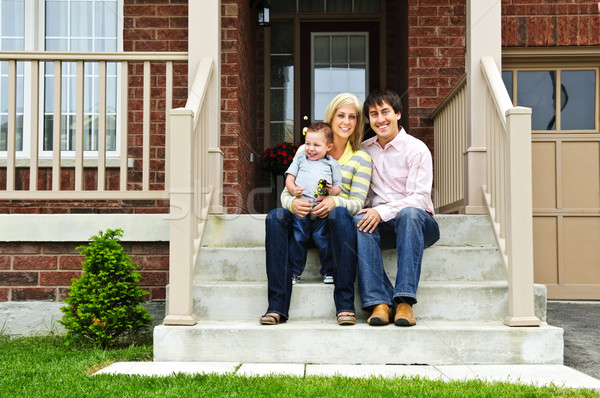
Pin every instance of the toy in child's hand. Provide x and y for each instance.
(321, 188)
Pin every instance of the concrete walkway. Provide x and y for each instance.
(527, 374)
(582, 354)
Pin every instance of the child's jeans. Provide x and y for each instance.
(303, 229)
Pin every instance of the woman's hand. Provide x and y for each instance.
(301, 207)
(324, 206)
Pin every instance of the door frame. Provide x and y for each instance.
(306, 28)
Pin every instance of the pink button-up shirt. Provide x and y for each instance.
(402, 175)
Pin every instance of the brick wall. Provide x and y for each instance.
(84, 207)
(43, 271)
(238, 102)
(534, 23)
(436, 58)
(155, 26)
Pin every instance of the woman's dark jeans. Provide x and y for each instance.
(279, 275)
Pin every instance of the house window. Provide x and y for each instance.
(282, 81)
(81, 25)
(12, 38)
(561, 99)
(61, 26)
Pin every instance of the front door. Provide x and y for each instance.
(335, 57)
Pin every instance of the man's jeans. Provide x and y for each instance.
(306, 228)
(279, 276)
(410, 232)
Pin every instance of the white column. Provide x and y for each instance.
(484, 38)
(204, 30)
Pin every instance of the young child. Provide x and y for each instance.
(302, 180)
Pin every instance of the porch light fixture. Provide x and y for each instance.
(264, 13)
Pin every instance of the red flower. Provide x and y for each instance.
(277, 159)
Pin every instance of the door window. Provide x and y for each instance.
(339, 64)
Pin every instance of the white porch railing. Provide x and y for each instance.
(508, 193)
(78, 160)
(450, 138)
(190, 194)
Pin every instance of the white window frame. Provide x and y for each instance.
(35, 12)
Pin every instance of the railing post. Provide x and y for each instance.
(183, 223)
(205, 22)
(484, 31)
(519, 228)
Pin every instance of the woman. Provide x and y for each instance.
(345, 115)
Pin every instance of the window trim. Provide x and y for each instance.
(558, 69)
(35, 17)
(556, 58)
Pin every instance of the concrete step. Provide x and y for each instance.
(248, 230)
(440, 263)
(429, 342)
(458, 301)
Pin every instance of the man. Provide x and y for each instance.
(399, 214)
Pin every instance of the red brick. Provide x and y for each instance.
(35, 262)
(157, 293)
(4, 294)
(19, 248)
(151, 248)
(70, 262)
(171, 10)
(59, 278)
(4, 262)
(34, 294)
(147, 10)
(156, 263)
(154, 278)
(61, 247)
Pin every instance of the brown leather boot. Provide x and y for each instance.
(404, 315)
(380, 316)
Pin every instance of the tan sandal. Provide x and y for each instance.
(347, 319)
(271, 319)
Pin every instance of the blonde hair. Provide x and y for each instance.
(348, 99)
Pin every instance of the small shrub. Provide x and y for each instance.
(104, 304)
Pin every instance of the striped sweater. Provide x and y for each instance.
(356, 176)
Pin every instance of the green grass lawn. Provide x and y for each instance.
(44, 367)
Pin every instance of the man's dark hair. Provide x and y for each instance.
(378, 97)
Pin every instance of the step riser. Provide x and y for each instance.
(249, 230)
(462, 301)
(458, 302)
(420, 344)
(439, 264)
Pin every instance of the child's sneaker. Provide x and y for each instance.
(295, 279)
(328, 279)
